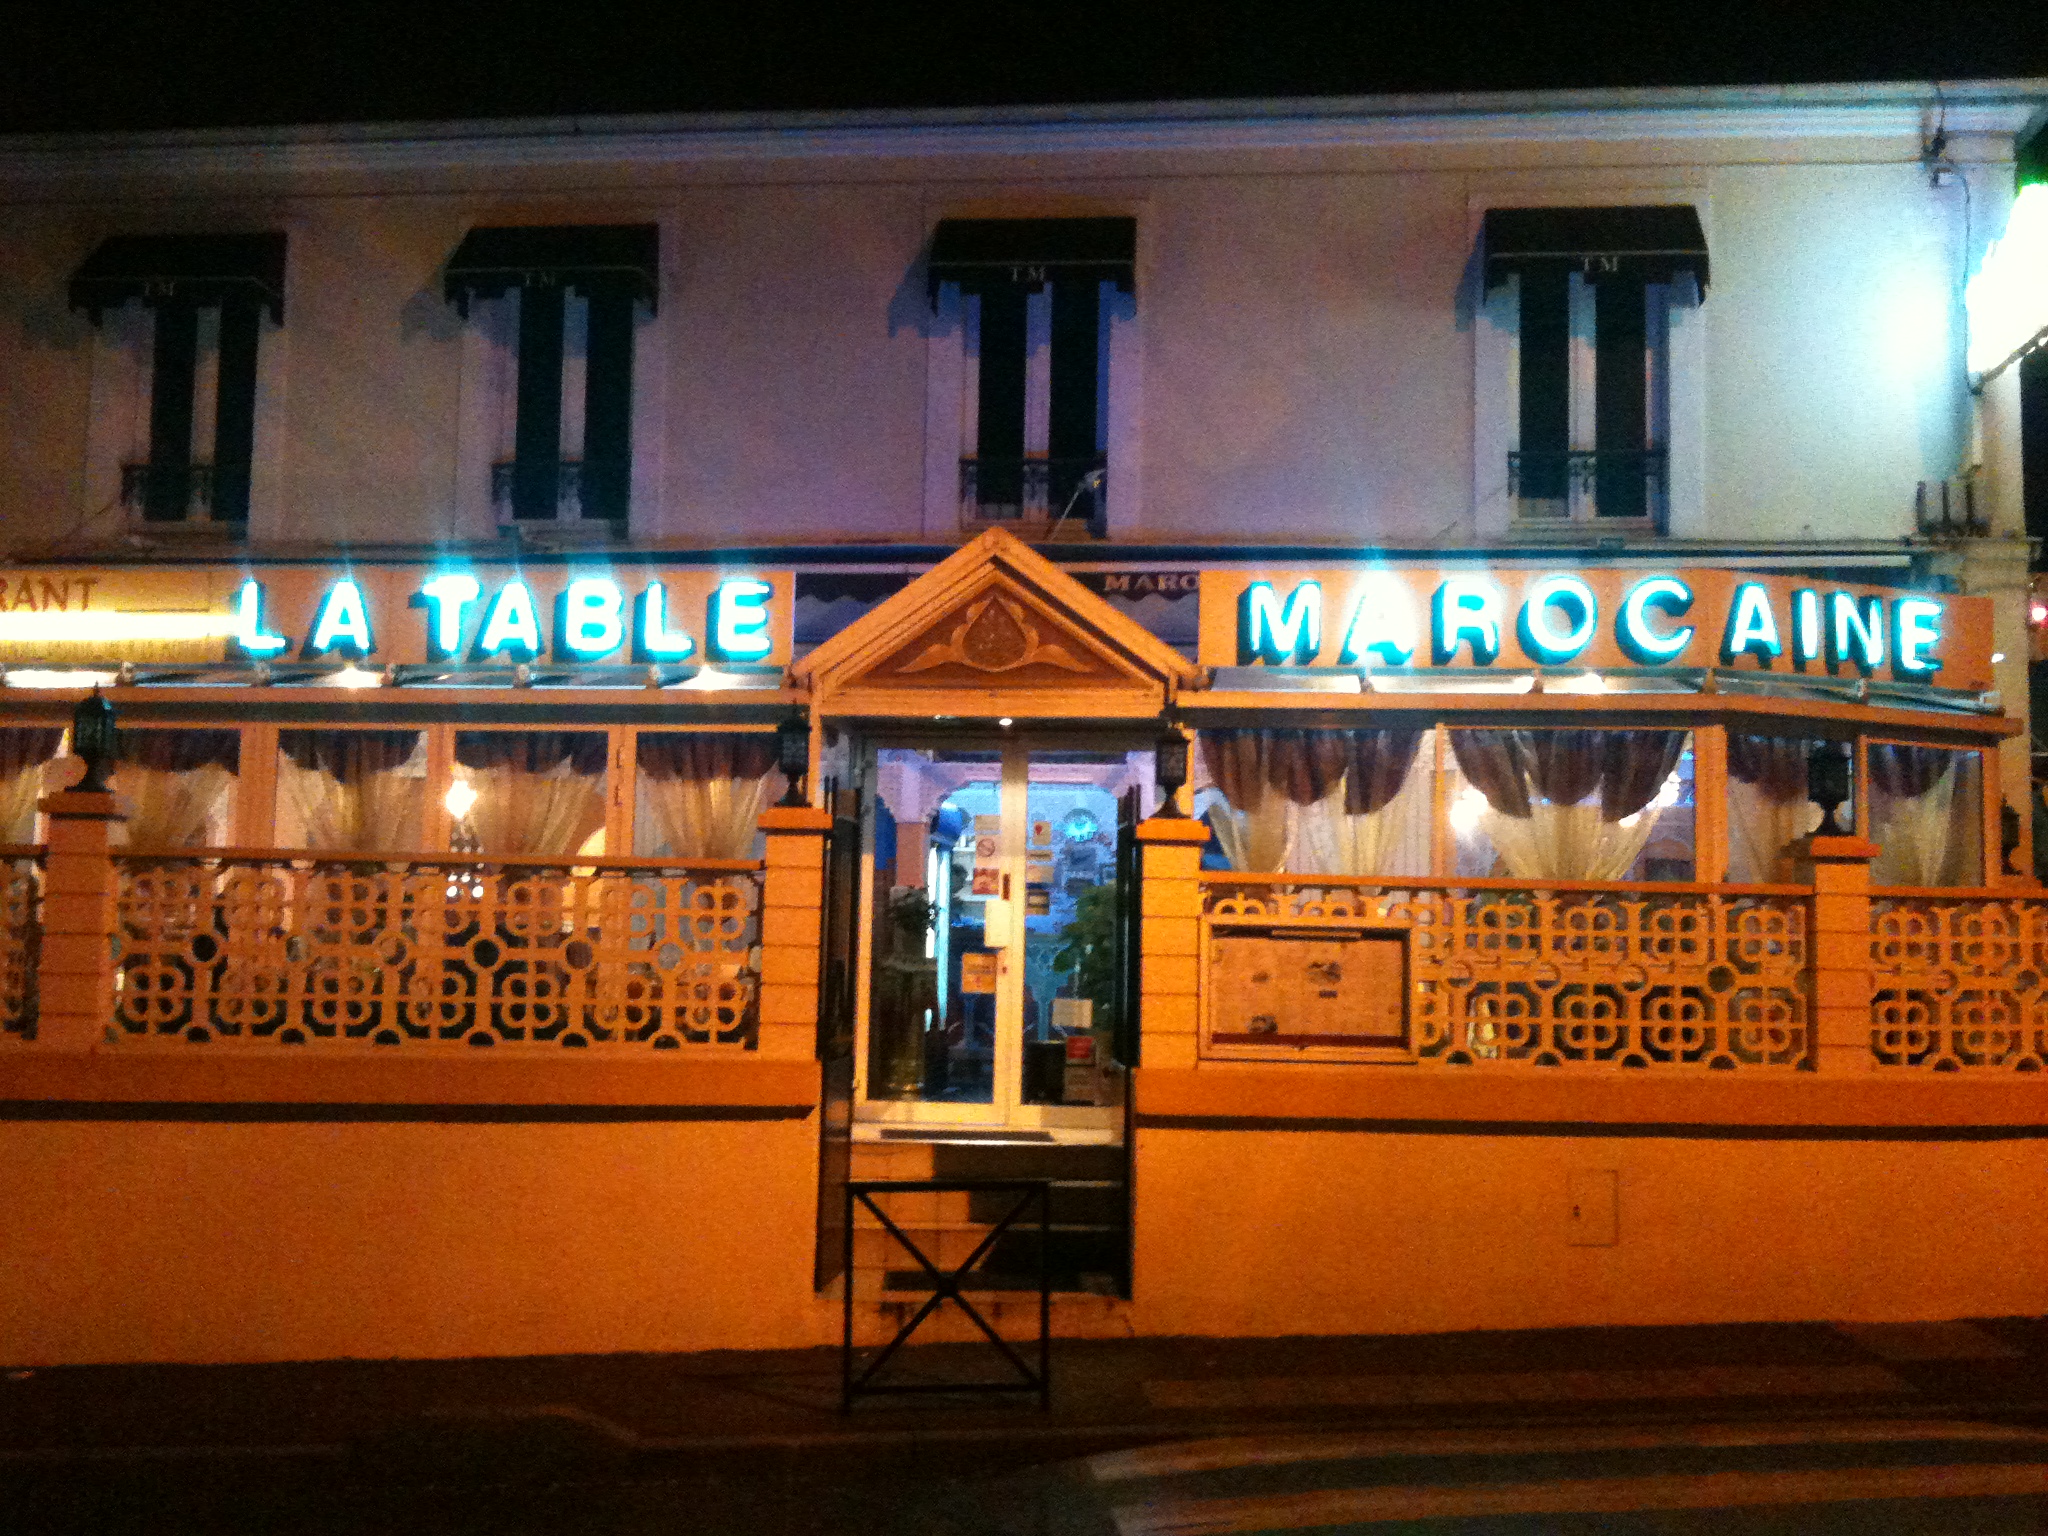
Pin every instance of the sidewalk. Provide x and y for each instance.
(559, 1412)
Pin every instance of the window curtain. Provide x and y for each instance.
(1319, 802)
(704, 792)
(1768, 808)
(350, 789)
(23, 751)
(179, 785)
(537, 792)
(1569, 804)
(1922, 816)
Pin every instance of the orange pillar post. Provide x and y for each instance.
(1170, 939)
(792, 905)
(75, 971)
(1841, 951)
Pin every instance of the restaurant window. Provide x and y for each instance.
(1585, 310)
(176, 788)
(26, 753)
(1572, 804)
(1926, 814)
(175, 403)
(700, 794)
(529, 793)
(549, 372)
(1035, 305)
(1768, 807)
(353, 790)
(1335, 802)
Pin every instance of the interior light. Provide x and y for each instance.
(353, 677)
(707, 677)
(48, 677)
(1585, 682)
(1997, 657)
(1467, 809)
(1006, 722)
(461, 797)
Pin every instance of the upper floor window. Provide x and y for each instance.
(188, 312)
(1035, 303)
(556, 306)
(1589, 298)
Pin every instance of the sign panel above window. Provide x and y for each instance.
(201, 270)
(1655, 243)
(980, 254)
(590, 258)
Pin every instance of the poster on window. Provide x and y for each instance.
(978, 971)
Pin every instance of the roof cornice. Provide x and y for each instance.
(1994, 109)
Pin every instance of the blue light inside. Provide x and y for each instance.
(447, 600)
(250, 634)
(1856, 631)
(1752, 627)
(653, 639)
(593, 618)
(342, 624)
(739, 620)
(510, 625)
(1541, 639)
(1916, 626)
(1279, 633)
(1638, 637)
(1465, 609)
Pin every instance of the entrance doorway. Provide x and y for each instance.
(991, 953)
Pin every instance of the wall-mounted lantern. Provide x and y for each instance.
(94, 739)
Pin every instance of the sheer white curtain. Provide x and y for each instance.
(1768, 809)
(1319, 802)
(537, 792)
(1569, 804)
(178, 787)
(701, 793)
(24, 750)
(1923, 816)
(353, 790)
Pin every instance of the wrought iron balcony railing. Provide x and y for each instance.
(1592, 483)
(1034, 490)
(588, 489)
(186, 492)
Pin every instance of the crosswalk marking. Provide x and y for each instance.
(1574, 1496)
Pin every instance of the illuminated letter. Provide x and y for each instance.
(447, 599)
(1382, 622)
(1465, 608)
(653, 639)
(343, 623)
(591, 621)
(1855, 631)
(1806, 625)
(1916, 630)
(1542, 640)
(509, 625)
(739, 620)
(1275, 634)
(250, 634)
(1752, 627)
(1644, 645)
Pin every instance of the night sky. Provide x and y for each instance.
(176, 63)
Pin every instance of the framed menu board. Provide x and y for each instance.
(1305, 994)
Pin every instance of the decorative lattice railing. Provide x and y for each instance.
(20, 927)
(1667, 977)
(269, 947)
(1959, 981)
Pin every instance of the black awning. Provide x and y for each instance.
(590, 258)
(202, 269)
(1656, 242)
(1029, 253)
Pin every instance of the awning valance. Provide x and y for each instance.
(1653, 242)
(1028, 253)
(200, 269)
(590, 258)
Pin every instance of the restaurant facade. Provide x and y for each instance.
(1419, 706)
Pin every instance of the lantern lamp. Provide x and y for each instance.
(1827, 784)
(1170, 770)
(793, 756)
(93, 739)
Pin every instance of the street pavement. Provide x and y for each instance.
(1783, 1427)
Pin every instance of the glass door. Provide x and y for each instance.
(989, 951)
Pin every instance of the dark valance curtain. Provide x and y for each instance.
(182, 751)
(1306, 766)
(1907, 773)
(698, 757)
(1565, 767)
(1775, 765)
(348, 757)
(23, 747)
(532, 752)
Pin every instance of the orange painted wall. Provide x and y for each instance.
(153, 1241)
(1305, 1232)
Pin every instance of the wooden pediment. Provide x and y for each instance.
(994, 630)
